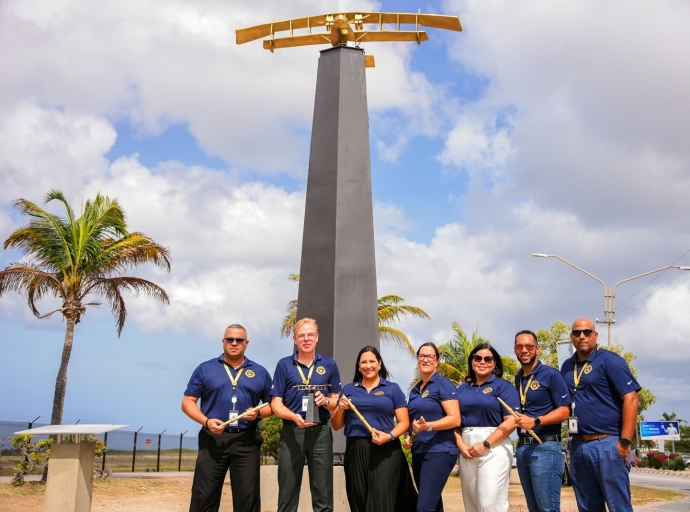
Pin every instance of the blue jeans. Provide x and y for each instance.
(600, 475)
(540, 467)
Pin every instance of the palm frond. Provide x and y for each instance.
(290, 319)
(111, 288)
(397, 338)
(31, 282)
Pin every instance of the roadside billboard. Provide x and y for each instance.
(661, 430)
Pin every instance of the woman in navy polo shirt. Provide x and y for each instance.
(435, 412)
(377, 478)
(487, 453)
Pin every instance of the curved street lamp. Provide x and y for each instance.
(609, 293)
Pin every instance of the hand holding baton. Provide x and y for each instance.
(359, 415)
(514, 414)
(239, 417)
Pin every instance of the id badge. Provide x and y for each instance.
(572, 424)
(233, 415)
(305, 403)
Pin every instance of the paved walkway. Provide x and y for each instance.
(676, 506)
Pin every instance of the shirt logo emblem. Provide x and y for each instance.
(425, 394)
(321, 370)
(534, 386)
(588, 369)
(487, 391)
(379, 393)
(250, 374)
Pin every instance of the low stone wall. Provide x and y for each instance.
(664, 472)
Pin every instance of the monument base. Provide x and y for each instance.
(269, 490)
(70, 477)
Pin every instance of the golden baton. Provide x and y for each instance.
(239, 417)
(359, 415)
(511, 411)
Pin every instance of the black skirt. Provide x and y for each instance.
(377, 478)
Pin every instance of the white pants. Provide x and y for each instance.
(485, 479)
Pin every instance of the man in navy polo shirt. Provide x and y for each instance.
(299, 439)
(602, 420)
(545, 401)
(227, 386)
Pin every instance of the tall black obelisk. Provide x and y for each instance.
(338, 269)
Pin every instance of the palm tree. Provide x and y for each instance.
(390, 310)
(72, 258)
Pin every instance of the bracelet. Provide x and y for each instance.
(392, 436)
(430, 426)
(206, 424)
(328, 402)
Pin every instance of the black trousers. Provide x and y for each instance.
(239, 452)
(377, 477)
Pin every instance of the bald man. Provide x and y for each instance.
(602, 420)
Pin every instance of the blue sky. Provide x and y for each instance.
(542, 127)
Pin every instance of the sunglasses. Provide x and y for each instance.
(232, 341)
(587, 332)
(478, 359)
(529, 347)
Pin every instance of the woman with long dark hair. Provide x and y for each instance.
(377, 478)
(433, 405)
(487, 453)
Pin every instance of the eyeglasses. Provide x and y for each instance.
(587, 332)
(232, 341)
(529, 347)
(426, 357)
(478, 359)
(309, 336)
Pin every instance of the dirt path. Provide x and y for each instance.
(172, 495)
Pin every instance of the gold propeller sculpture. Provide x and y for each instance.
(348, 27)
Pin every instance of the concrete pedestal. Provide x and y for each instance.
(269, 490)
(70, 477)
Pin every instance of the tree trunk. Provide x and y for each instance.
(61, 381)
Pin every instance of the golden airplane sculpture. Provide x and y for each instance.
(348, 27)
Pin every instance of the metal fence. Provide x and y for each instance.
(135, 451)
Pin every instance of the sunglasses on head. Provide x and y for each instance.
(587, 332)
(478, 359)
(231, 341)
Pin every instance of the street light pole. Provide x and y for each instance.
(609, 293)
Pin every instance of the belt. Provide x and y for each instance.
(590, 437)
(531, 440)
(290, 422)
(234, 430)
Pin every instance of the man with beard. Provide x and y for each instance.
(602, 422)
(544, 398)
(227, 386)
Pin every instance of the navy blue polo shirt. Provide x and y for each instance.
(378, 407)
(428, 404)
(598, 402)
(210, 383)
(544, 390)
(287, 376)
(479, 406)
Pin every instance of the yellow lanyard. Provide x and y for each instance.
(305, 380)
(576, 376)
(523, 395)
(233, 381)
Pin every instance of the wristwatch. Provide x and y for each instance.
(625, 442)
(537, 421)
(430, 427)
(392, 436)
(486, 444)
